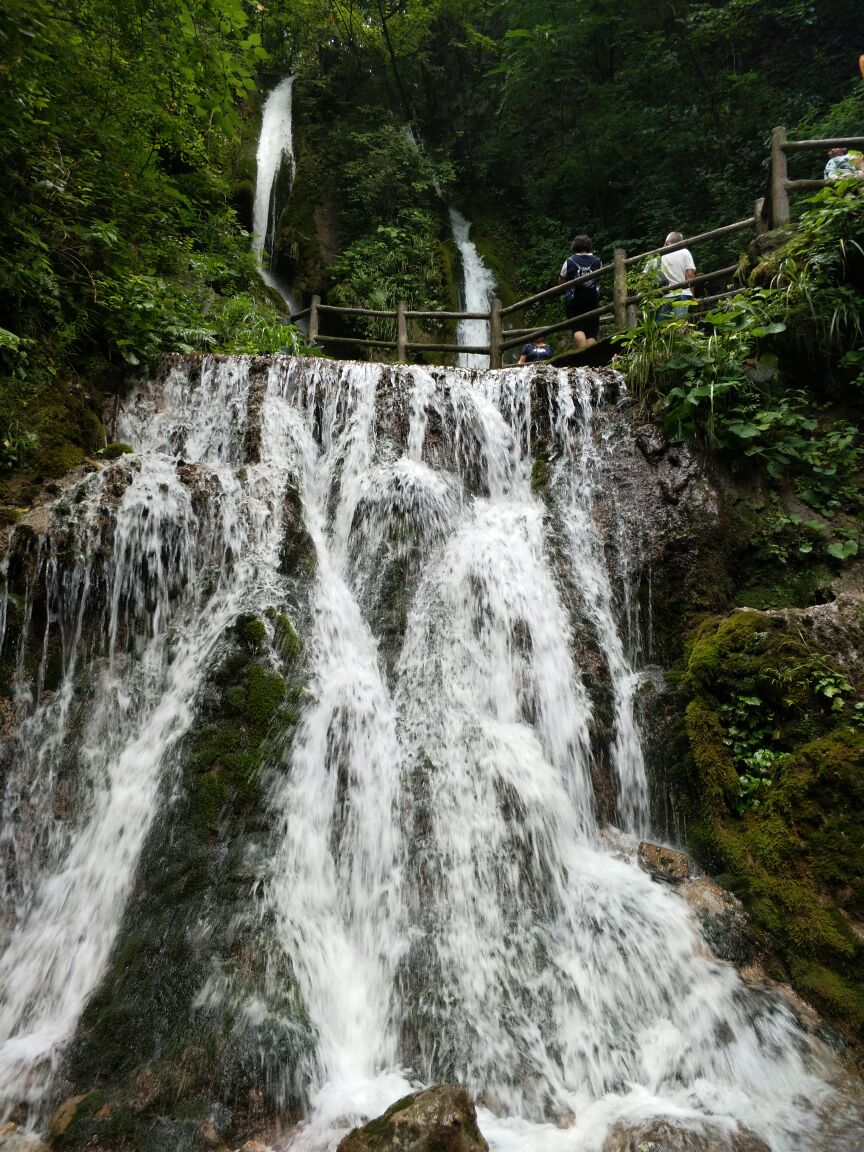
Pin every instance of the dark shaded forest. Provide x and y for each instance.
(128, 139)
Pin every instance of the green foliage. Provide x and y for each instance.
(413, 181)
(726, 379)
(749, 728)
(400, 261)
(118, 241)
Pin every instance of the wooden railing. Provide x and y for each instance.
(770, 211)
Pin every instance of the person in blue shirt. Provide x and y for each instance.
(584, 297)
(536, 351)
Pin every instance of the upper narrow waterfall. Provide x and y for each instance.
(478, 286)
(275, 157)
(434, 892)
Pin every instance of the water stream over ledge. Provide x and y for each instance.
(435, 874)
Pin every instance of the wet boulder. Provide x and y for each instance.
(650, 441)
(663, 863)
(724, 923)
(662, 1135)
(439, 1119)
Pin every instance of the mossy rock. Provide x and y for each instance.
(795, 857)
(439, 1119)
(114, 450)
(162, 1067)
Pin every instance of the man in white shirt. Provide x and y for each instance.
(676, 268)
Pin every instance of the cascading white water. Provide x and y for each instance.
(579, 475)
(275, 154)
(148, 583)
(449, 907)
(437, 880)
(478, 287)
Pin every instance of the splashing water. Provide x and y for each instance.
(478, 287)
(437, 879)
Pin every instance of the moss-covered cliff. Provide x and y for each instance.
(770, 775)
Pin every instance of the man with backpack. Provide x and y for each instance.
(583, 297)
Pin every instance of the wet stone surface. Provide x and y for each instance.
(661, 1135)
(663, 863)
(439, 1119)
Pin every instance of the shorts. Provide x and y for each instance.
(584, 300)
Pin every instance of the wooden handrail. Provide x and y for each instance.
(770, 212)
(837, 142)
(447, 315)
(714, 234)
(390, 315)
(556, 290)
(480, 349)
(702, 279)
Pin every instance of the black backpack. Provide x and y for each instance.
(577, 265)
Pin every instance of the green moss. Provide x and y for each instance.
(114, 450)
(713, 762)
(796, 859)
(289, 643)
(539, 473)
(831, 992)
(729, 651)
(252, 632)
(265, 693)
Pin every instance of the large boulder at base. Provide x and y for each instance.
(663, 863)
(439, 1119)
(660, 1135)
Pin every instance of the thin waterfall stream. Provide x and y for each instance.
(478, 287)
(437, 874)
(274, 171)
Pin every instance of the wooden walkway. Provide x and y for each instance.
(770, 211)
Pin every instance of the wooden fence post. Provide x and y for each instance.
(760, 224)
(401, 332)
(312, 332)
(496, 333)
(619, 287)
(779, 213)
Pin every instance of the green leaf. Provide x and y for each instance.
(842, 549)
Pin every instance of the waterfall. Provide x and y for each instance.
(275, 155)
(436, 873)
(478, 288)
